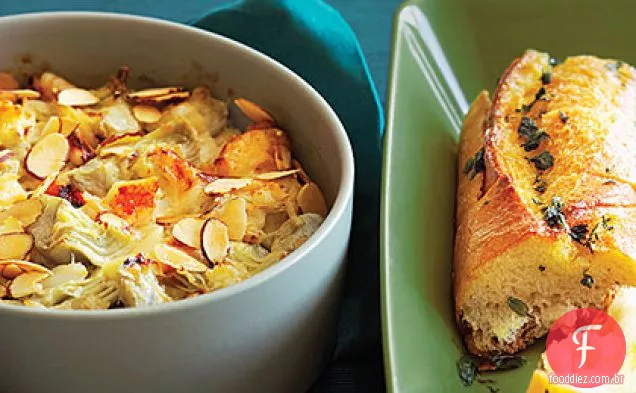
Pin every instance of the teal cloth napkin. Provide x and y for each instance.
(313, 40)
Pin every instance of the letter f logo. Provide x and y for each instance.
(583, 346)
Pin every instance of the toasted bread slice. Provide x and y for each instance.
(620, 305)
(545, 212)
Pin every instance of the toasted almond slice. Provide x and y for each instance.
(65, 273)
(8, 82)
(17, 94)
(10, 269)
(27, 211)
(178, 259)
(146, 113)
(311, 200)
(215, 240)
(5, 155)
(68, 126)
(188, 231)
(253, 111)
(234, 216)
(154, 92)
(221, 186)
(275, 175)
(48, 155)
(75, 96)
(121, 140)
(10, 225)
(26, 284)
(53, 125)
(15, 245)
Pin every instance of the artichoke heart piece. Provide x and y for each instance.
(63, 231)
(139, 287)
(293, 233)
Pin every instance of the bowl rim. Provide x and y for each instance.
(343, 198)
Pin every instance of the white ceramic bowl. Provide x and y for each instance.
(271, 333)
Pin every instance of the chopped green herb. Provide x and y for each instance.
(539, 94)
(541, 268)
(543, 161)
(563, 117)
(579, 233)
(467, 369)
(594, 235)
(536, 201)
(518, 306)
(607, 170)
(587, 280)
(546, 77)
(527, 127)
(476, 164)
(553, 213)
(486, 203)
(540, 185)
(553, 61)
(535, 140)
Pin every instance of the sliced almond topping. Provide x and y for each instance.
(5, 155)
(311, 200)
(53, 125)
(120, 140)
(275, 175)
(48, 155)
(221, 186)
(27, 211)
(234, 216)
(254, 112)
(154, 92)
(10, 269)
(65, 273)
(13, 95)
(188, 231)
(26, 284)
(68, 126)
(75, 96)
(146, 113)
(10, 225)
(215, 240)
(15, 245)
(8, 82)
(178, 259)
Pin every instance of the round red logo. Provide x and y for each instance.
(585, 348)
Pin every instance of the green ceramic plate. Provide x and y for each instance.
(444, 52)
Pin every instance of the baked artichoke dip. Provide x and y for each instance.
(114, 198)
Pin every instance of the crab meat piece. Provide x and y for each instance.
(133, 200)
(252, 152)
